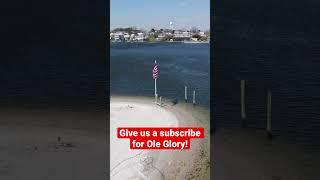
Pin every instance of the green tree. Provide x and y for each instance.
(151, 39)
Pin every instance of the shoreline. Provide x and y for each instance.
(74, 143)
(166, 164)
(30, 140)
(182, 42)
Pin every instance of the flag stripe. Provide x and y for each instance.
(155, 71)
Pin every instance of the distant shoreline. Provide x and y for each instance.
(183, 42)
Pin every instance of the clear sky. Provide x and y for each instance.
(148, 14)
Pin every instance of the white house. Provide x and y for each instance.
(111, 36)
(132, 37)
(126, 36)
(119, 36)
(178, 34)
(202, 34)
(186, 34)
(140, 36)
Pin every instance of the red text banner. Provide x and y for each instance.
(160, 137)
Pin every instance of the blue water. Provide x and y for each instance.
(180, 65)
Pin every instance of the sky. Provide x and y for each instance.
(147, 14)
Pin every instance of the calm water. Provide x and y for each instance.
(46, 77)
(179, 65)
(286, 66)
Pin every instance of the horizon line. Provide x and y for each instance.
(139, 28)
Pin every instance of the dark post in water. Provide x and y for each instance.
(185, 94)
(194, 98)
(269, 115)
(243, 108)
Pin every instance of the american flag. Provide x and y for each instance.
(155, 71)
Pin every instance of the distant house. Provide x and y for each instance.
(119, 36)
(140, 36)
(152, 33)
(194, 39)
(180, 35)
(186, 34)
(132, 37)
(177, 33)
(126, 36)
(161, 36)
(111, 36)
(202, 34)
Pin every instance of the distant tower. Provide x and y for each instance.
(171, 25)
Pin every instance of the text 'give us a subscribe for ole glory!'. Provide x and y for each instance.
(160, 138)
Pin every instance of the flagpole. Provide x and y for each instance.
(155, 85)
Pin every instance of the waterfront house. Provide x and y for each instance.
(186, 34)
(111, 36)
(140, 36)
(119, 36)
(132, 37)
(161, 37)
(126, 36)
(194, 39)
(178, 34)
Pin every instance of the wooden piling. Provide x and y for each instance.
(243, 108)
(269, 115)
(185, 94)
(194, 98)
(160, 101)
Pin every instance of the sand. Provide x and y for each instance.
(30, 148)
(62, 144)
(157, 164)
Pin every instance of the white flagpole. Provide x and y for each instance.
(155, 85)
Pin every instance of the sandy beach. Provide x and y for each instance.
(66, 144)
(155, 164)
